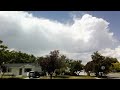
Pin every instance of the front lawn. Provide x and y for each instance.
(68, 77)
(12, 77)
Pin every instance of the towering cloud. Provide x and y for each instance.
(25, 32)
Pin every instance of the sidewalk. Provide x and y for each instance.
(31, 78)
(97, 78)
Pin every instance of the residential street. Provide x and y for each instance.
(31, 78)
(26, 78)
(113, 76)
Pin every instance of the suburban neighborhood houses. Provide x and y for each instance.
(59, 66)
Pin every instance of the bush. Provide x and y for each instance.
(74, 74)
(42, 73)
(9, 74)
(67, 73)
(57, 72)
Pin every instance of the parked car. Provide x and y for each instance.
(34, 74)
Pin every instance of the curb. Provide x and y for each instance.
(97, 78)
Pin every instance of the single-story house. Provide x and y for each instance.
(22, 68)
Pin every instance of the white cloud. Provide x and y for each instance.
(23, 31)
(111, 52)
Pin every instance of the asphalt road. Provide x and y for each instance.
(113, 76)
(109, 76)
(31, 78)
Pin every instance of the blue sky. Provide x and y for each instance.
(113, 17)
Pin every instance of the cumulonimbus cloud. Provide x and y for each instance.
(25, 32)
(111, 52)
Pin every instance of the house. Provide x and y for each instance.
(22, 68)
(82, 72)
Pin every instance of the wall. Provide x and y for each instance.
(37, 69)
(15, 70)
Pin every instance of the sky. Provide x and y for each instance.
(77, 34)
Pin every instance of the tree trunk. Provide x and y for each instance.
(56, 74)
(88, 73)
(50, 75)
(97, 74)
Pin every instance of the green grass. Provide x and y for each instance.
(54, 77)
(69, 77)
(17, 77)
(7, 77)
(21, 77)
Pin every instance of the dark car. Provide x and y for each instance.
(34, 74)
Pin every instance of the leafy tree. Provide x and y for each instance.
(89, 67)
(97, 62)
(51, 62)
(43, 62)
(116, 67)
(57, 72)
(3, 69)
(108, 62)
(20, 57)
(76, 66)
(3, 53)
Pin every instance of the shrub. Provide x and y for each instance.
(67, 73)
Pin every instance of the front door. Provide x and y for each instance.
(20, 71)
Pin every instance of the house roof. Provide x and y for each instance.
(18, 64)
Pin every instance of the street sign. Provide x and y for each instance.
(102, 67)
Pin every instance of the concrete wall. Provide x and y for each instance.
(37, 69)
(15, 71)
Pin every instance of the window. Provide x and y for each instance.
(9, 70)
(27, 69)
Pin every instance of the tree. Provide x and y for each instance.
(57, 72)
(51, 62)
(76, 66)
(97, 62)
(3, 57)
(108, 62)
(61, 65)
(116, 67)
(43, 62)
(20, 57)
(89, 67)
(3, 69)
(3, 53)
